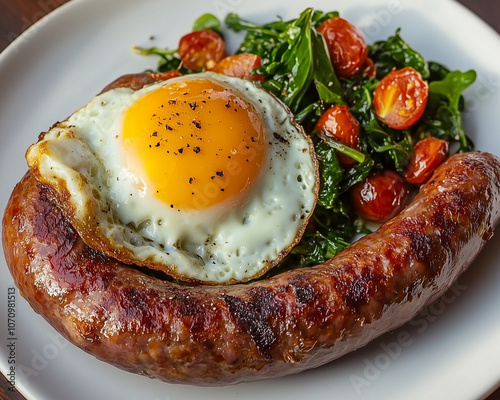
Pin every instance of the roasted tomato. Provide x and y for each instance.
(240, 66)
(346, 45)
(163, 76)
(369, 69)
(338, 122)
(428, 154)
(201, 49)
(400, 98)
(380, 197)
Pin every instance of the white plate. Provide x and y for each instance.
(452, 351)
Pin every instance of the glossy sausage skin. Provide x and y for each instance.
(210, 335)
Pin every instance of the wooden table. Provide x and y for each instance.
(17, 15)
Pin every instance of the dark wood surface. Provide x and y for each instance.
(17, 15)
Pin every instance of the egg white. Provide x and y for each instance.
(113, 211)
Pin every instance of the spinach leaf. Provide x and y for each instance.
(169, 59)
(443, 114)
(396, 53)
(327, 83)
(308, 114)
(397, 144)
(261, 40)
(343, 148)
(281, 46)
(326, 95)
(316, 248)
(207, 21)
(332, 232)
(296, 63)
(330, 173)
(356, 174)
(319, 17)
(452, 86)
(237, 24)
(437, 71)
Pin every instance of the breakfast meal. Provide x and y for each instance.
(231, 218)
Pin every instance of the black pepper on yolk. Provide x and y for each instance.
(195, 142)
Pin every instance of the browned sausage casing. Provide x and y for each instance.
(297, 320)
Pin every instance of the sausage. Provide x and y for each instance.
(139, 80)
(300, 319)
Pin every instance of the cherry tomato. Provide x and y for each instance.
(163, 76)
(338, 123)
(240, 66)
(201, 49)
(428, 154)
(400, 98)
(381, 196)
(346, 45)
(369, 69)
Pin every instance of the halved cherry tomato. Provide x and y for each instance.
(400, 98)
(201, 49)
(338, 123)
(381, 196)
(240, 66)
(428, 154)
(346, 45)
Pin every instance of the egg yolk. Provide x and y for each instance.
(196, 142)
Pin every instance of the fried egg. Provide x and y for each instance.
(204, 177)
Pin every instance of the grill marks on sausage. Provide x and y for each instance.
(253, 317)
(134, 308)
(304, 291)
(414, 230)
(257, 316)
(193, 312)
(356, 285)
(447, 219)
(455, 213)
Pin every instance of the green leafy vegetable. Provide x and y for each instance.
(437, 71)
(298, 52)
(323, 73)
(286, 52)
(319, 17)
(169, 59)
(331, 175)
(356, 174)
(317, 247)
(207, 21)
(396, 53)
(294, 56)
(443, 117)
